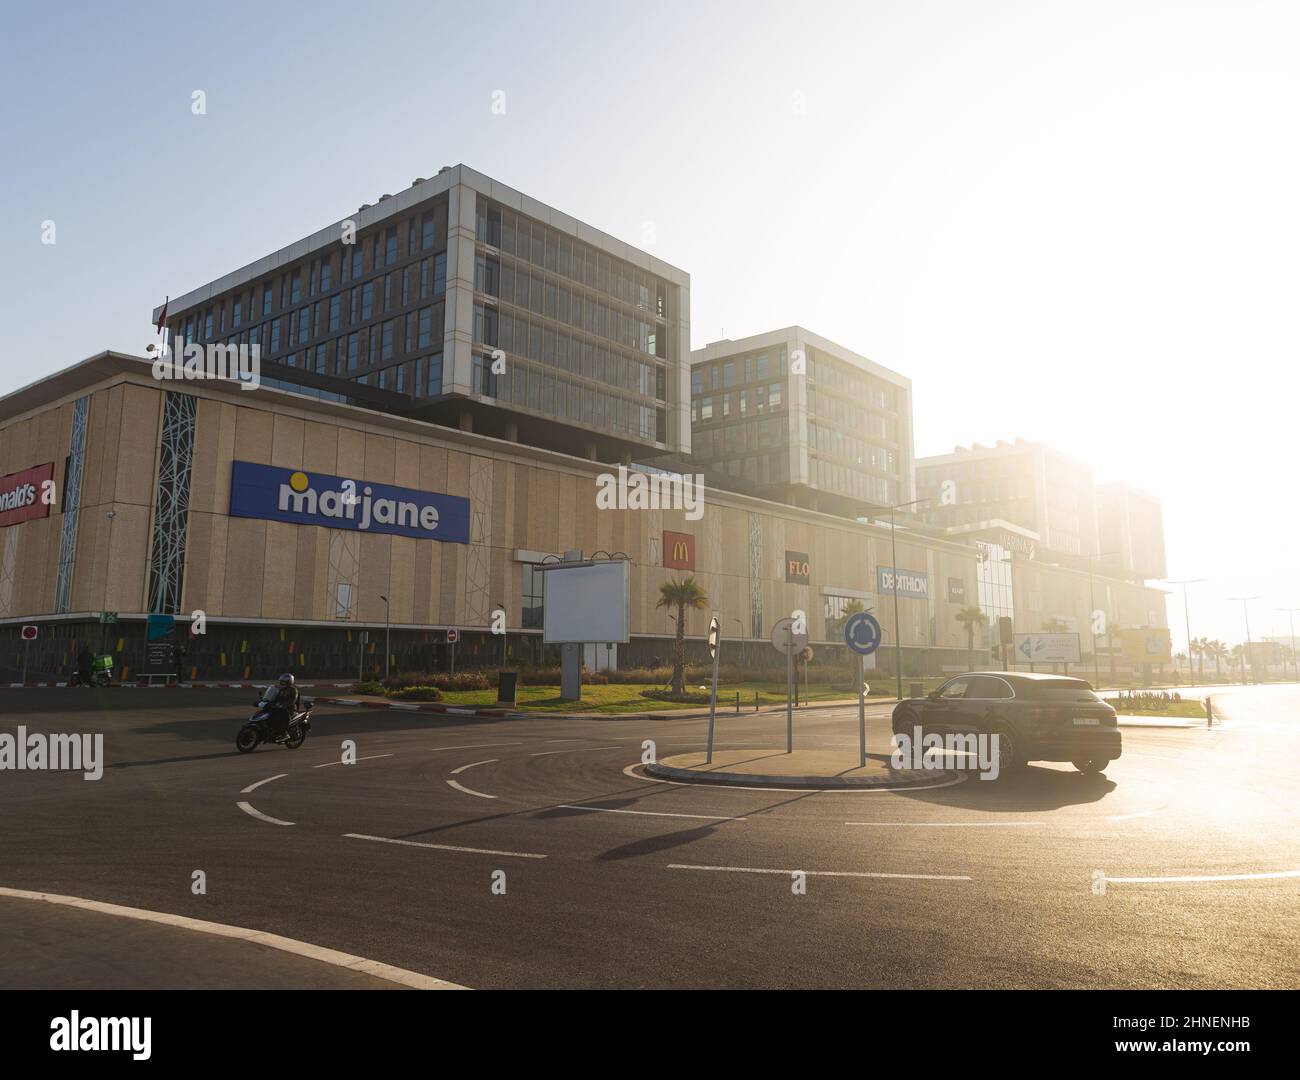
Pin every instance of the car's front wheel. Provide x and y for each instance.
(1007, 750)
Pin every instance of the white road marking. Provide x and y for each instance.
(1205, 877)
(472, 764)
(583, 750)
(470, 746)
(649, 813)
(1140, 813)
(819, 873)
(951, 824)
(370, 757)
(469, 791)
(630, 771)
(272, 941)
(254, 787)
(248, 808)
(447, 847)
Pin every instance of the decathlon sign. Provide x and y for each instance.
(913, 583)
(334, 502)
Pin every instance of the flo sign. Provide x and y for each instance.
(334, 502)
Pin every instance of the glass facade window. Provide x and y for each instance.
(533, 597)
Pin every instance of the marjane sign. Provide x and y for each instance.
(20, 495)
(303, 498)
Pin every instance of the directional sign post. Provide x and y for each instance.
(785, 640)
(862, 635)
(715, 640)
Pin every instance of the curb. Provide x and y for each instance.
(897, 778)
(400, 976)
(411, 706)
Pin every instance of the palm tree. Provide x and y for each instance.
(1216, 651)
(681, 595)
(1114, 632)
(1238, 656)
(1197, 646)
(970, 617)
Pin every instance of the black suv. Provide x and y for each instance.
(1036, 717)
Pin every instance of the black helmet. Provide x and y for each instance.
(286, 679)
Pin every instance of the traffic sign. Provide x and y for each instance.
(862, 633)
(29, 632)
(784, 636)
(715, 630)
(453, 635)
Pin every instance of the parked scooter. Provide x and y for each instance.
(257, 728)
(100, 673)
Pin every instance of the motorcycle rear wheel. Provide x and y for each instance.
(246, 740)
(296, 739)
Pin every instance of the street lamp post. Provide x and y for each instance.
(1245, 649)
(1295, 661)
(1092, 609)
(387, 631)
(504, 656)
(893, 558)
(1187, 622)
(744, 653)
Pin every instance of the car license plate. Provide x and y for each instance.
(1086, 721)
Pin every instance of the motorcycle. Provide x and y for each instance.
(100, 673)
(257, 728)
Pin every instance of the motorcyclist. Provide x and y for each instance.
(282, 703)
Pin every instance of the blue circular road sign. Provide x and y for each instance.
(862, 633)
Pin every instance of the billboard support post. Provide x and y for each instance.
(571, 654)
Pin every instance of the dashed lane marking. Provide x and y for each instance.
(649, 813)
(951, 824)
(819, 873)
(1193, 878)
(447, 847)
(370, 757)
(252, 810)
(469, 791)
(583, 750)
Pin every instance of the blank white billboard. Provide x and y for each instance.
(586, 603)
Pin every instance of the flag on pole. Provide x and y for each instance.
(162, 315)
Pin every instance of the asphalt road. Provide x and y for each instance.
(613, 880)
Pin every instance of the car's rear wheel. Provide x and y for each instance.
(1091, 766)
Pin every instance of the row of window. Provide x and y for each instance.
(833, 442)
(832, 374)
(555, 395)
(365, 256)
(523, 336)
(545, 294)
(724, 374)
(739, 438)
(561, 254)
(845, 480)
(755, 400)
(851, 415)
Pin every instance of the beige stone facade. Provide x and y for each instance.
(525, 502)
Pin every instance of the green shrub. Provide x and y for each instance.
(660, 694)
(461, 680)
(417, 693)
(375, 689)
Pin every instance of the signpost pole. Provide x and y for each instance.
(862, 711)
(27, 648)
(789, 706)
(716, 642)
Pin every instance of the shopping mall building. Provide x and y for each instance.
(450, 381)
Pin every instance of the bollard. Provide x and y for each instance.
(1209, 712)
(737, 701)
(756, 701)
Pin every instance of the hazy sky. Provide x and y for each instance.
(1069, 221)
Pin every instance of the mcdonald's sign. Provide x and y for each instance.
(679, 551)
